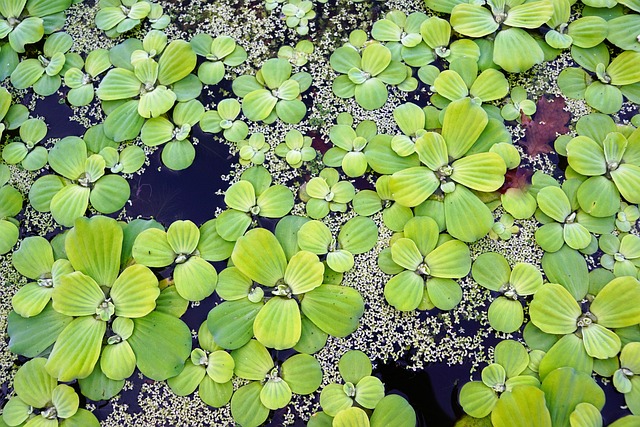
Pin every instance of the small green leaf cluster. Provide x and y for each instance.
(116, 17)
(296, 149)
(297, 14)
(10, 206)
(326, 193)
(360, 399)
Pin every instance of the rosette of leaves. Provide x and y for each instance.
(10, 206)
(11, 116)
(271, 387)
(360, 389)
(35, 260)
(627, 379)
(492, 271)
(506, 374)
(270, 5)
(296, 149)
(80, 180)
(613, 78)
(462, 80)
(612, 168)
(563, 220)
(436, 33)
(504, 228)
(26, 151)
(401, 34)
(109, 316)
(218, 52)
(194, 278)
(116, 17)
(585, 32)
(298, 55)
(448, 167)
(368, 202)
(41, 401)
(26, 22)
(356, 236)
(349, 145)
(621, 254)
(128, 160)
(179, 152)
(225, 119)
(273, 93)
(44, 73)
(209, 369)
(252, 150)
(326, 193)
(251, 198)
(81, 88)
(423, 264)
(297, 14)
(556, 311)
(514, 50)
(518, 105)
(146, 90)
(366, 74)
(626, 217)
(266, 295)
(412, 121)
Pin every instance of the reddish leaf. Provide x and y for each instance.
(516, 178)
(549, 121)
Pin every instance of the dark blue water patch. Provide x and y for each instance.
(57, 116)
(168, 195)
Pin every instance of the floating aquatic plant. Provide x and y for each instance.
(251, 198)
(81, 84)
(368, 202)
(10, 206)
(297, 14)
(504, 228)
(436, 33)
(116, 17)
(585, 32)
(44, 73)
(297, 55)
(26, 22)
(25, 151)
(627, 217)
(349, 145)
(273, 93)
(296, 149)
(218, 52)
(271, 387)
(621, 254)
(518, 105)
(403, 37)
(424, 264)
(225, 119)
(326, 193)
(252, 150)
(625, 379)
(40, 400)
(11, 115)
(493, 272)
(271, 307)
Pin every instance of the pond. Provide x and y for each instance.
(330, 213)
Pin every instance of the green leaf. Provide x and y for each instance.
(505, 315)
(472, 20)
(266, 269)
(32, 336)
(188, 379)
(176, 62)
(371, 94)
(195, 279)
(252, 361)
(463, 123)
(161, 344)
(77, 349)
(615, 305)
(231, 323)
(118, 84)
(77, 294)
(604, 98)
(393, 409)
(278, 324)
(523, 406)
(258, 104)
(246, 407)
(554, 310)
(516, 51)
(33, 384)
(275, 394)
(481, 172)
(477, 399)
(404, 291)
(568, 268)
(302, 373)
(124, 123)
(334, 309)
(468, 219)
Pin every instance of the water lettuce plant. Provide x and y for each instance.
(273, 93)
(492, 271)
(349, 145)
(448, 168)
(366, 74)
(179, 152)
(144, 89)
(194, 278)
(81, 84)
(25, 151)
(621, 254)
(613, 78)
(252, 150)
(271, 387)
(11, 115)
(356, 236)
(270, 309)
(40, 400)
(26, 22)
(436, 33)
(297, 55)
(402, 36)
(424, 264)
(225, 119)
(518, 105)
(625, 379)
(80, 180)
(326, 193)
(116, 17)
(296, 149)
(585, 32)
(297, 14)
(514, 49)
(218, 52)
(45, 73)
(368, 202)
(506, 374)
(249, 199)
